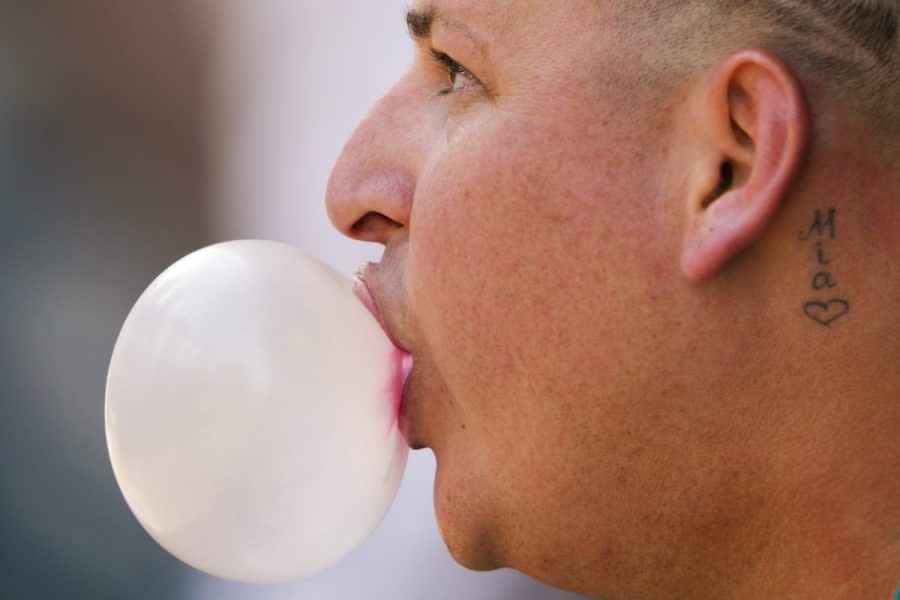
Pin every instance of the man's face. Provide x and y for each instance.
(528, 270)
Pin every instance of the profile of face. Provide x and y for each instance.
(533, 202)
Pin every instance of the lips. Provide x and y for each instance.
(404, 360)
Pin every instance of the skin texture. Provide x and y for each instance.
(613, 365)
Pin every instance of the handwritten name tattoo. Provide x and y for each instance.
(821, 309)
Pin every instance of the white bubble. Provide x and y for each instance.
(251, 413)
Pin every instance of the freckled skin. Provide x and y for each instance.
(599, 422)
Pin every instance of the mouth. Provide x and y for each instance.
(403, 358)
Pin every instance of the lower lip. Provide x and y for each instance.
(404, 362)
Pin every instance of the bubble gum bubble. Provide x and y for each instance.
(251, 413)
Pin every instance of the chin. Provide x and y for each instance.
(463, 519)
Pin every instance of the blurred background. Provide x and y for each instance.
(130, 135)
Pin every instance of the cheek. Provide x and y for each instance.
(535, 256)
(499, 247)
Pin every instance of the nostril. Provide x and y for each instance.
(373, 224)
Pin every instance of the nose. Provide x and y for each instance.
(371, 188)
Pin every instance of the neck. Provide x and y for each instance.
(822, 405)
(834, 518)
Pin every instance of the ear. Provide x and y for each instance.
(752, 122)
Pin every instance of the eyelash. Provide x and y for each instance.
(453, 69)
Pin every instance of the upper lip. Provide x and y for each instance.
(368, 289)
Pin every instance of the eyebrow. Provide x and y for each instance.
(420, 21)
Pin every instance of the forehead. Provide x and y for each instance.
(505, 22)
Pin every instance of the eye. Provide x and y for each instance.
(460, 78)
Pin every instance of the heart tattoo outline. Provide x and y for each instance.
(827, 312)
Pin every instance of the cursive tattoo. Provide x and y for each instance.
(823, 311)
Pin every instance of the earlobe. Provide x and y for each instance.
(753, 123)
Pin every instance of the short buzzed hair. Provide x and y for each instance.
(848, 48)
